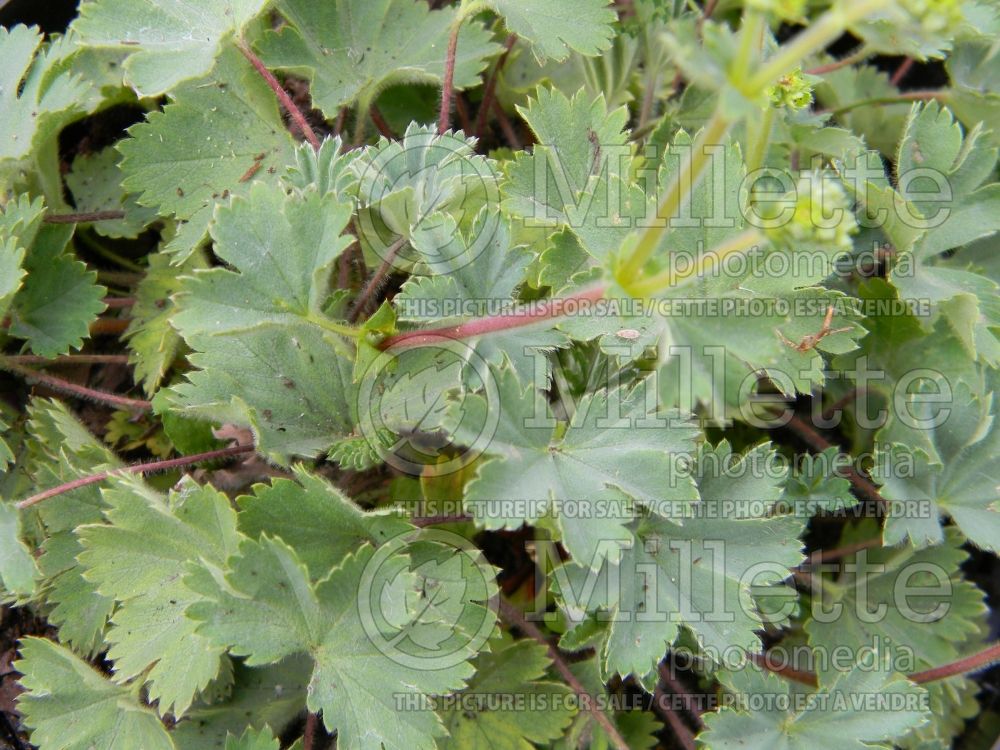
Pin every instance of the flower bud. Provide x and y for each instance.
(792, 90)
(817, 212)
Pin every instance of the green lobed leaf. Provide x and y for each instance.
(218, 136)
(59, 297)
(582, 477)
(554, 28)
(135, 559)
(69, 705)
(266, 609)
(844, 713)
(701, 567)
(31, 94)
(516, 671)
(168, 41)
(350, 51)
(267, 355)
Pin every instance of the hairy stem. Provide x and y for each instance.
(309, 733)
(907, 96)
(119, 302)
(759, 136)
(825, 30)
(517, 620)
(902, 71)
(669, 278)
(980, 660)
(380, 124)
(693, 163)
(377, 280)
(862, 53)
(147, 468)
(663, 708)
(447, 85)
(83, 218)
(985, 658)
(279, 91)
(783, 670)
(531, 314)
(491, 85)
(74, 389)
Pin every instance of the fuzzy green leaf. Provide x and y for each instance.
(58, 299)
(514, 669)
(264, 347)
(955, 473)
(314, 518)
(351, 51)
(69, 705)
(616, 450)
(169, 41)
(135, 559)
(844, 713)
(32, 92)
(702, 571)
(554, 27)
(266, 609)
(218, 136)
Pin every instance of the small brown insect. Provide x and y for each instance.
(810, 340)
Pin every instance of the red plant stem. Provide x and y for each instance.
(534, 313)
(843, 62)
(984, 658)
(807, 434)
(706, 13)
(376, 281)
(338, 126)
(822, 556)
(789, 673)
(906, 96)
(147, 468)
(380, 124)
(901, 71)
(74, 389)
(491, 85)
(83, 218)
(677, 689)
(516, 619)
(309, 733)
(505, 125)
(279, 91)
(69, 359)
(447, 86)
(666, 711)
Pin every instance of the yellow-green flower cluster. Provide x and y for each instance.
(792, 91)
(935, 16)
(817, 212)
